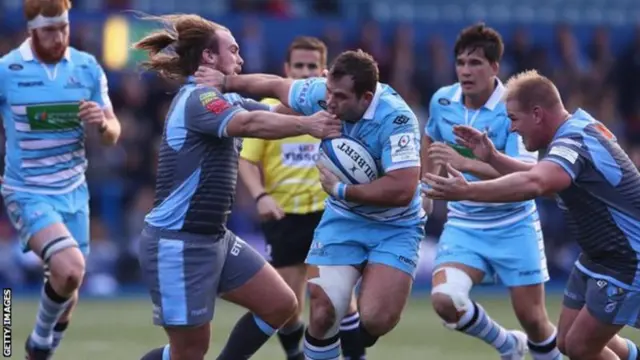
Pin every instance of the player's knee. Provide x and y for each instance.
(450, 298)
(378, 322)
(67, 270)
(443, 306)
(323, 314)
(287, 308)
(533, 320)
(330, 292)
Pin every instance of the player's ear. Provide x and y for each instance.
(495, 66)
(537, 113)
(287, 68)
(209, 58)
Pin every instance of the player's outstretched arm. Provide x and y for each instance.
(517, 158)
(257, 85)
(208, 112)
(545, 178)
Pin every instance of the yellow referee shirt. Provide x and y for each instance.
(289, 170)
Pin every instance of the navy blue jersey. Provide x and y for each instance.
(198, 162)
(603, 202)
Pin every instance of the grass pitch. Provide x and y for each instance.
(121, 329)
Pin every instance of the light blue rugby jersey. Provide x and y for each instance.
(447, 110)
(390, 131)
(39, 106)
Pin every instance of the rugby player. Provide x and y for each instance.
(483, 240)
(370, 230)
(290, 202)
(187, 255)
(50, 95)
(596, 185)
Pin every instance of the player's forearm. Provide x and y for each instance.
(519, 186)
(480, 169)
(505, 165)
(381, 192)
(250, 176)
(266, 125)
(111, 132)
(259, 85)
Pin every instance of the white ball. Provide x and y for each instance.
(349, 160)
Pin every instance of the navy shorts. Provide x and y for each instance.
(606, 301)
(185, 273)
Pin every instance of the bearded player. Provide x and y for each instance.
(50, 95)
(290, 202)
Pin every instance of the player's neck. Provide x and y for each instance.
(478, 100)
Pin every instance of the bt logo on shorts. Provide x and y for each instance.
(236, 248)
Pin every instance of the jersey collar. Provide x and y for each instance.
(493, 101)
(371, 110)
(27, 53)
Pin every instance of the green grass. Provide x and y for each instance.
(122, 330)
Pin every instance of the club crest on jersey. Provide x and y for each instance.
(322, 104)
(16, 67)
(73, 83)
(444, 101)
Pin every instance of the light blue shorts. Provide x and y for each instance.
(29, 213)
(513, 253)
(346, 241)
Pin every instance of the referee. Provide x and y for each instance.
(290, 202)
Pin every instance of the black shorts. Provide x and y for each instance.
(289, 239)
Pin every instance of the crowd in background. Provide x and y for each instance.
(589, 75)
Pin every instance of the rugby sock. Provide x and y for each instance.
(249, 334)
(58, 333)
(162, 353)
(352, 346)
(317, 349)
(290, 338)
(367, 339)
(546, 350)
(634, 352)
(477, 323)
(52, 306)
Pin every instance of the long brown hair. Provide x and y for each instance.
(175, 52)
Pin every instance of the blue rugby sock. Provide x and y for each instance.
(249, 334)
(290, 339)
(634, 352)
(477, 323)
(58, 333)
(318, 349)
(51, 308)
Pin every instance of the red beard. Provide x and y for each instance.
(47, 55)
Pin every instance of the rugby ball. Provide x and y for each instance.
(349, 160)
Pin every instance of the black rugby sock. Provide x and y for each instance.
(249, 334)
(367, 339)
(351, 339)
(290, 338)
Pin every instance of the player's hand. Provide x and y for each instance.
(268, 209)
(328, 180)
(210, 77)
(476, 141)
(91, 113)
(455, 187)
(322, 125)
(441, 154)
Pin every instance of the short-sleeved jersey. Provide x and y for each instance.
(447, 110)
(603, 202)
(39, 106)
(389, 130)
(289, 170)
(198, 162)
